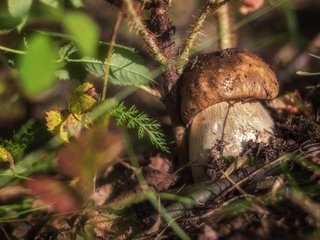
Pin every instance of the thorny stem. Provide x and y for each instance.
(144, 33)
(211, 6)
(109, 53)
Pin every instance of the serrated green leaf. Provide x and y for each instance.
(19, 8)
(37, 66)
(51, 3)
(126, 68)
(62, 74)
(84, 32)
(66, 50)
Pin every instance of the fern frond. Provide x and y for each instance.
(134, 119)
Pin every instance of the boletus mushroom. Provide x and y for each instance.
(220, 94)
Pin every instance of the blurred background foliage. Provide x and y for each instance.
(49, 47)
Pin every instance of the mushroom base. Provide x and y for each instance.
(228, 128)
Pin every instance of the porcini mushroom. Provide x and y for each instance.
(220, 94)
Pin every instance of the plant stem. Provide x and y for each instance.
(152, 196)
(211, 6)
(149, 39)
(109, 54)
(11, 50)
(227, 40)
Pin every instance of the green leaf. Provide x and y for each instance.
(133, 118)
(126, 68)
(8, 23)
(66, 50)
(51, 3)
(84, 32)
(77, 3)
(37, 66)
(19, 8)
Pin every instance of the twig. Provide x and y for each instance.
(109, 53)
(211, 6)
(149, 39)
(151, 91)
(11, 50)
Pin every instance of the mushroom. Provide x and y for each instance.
(220, 94)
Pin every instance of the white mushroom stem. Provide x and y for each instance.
(233, 124)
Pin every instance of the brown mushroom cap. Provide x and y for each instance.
(227, 75)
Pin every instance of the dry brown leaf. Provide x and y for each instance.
(86, 156)
(54, 194)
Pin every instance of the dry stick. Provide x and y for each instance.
(109, 54)
(149, 39)
(211, 6)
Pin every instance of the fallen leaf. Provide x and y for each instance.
(53, 193)
(208, 234)
(84, 157)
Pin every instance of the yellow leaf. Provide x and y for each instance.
(54, 120)
(72, 127)
(7, 157)
(83, 98)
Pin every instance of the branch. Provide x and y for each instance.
(135, 18)
(211, 6)
(206, 192)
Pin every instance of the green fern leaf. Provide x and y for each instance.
(134, 119)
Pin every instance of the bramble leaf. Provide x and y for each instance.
(127, 67)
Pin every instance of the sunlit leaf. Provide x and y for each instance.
(62, 74)
(19, 8)
(53, 120)
(127, 67)
(71, 126)
(83, 98)
(77, 3)
(84, 32)
(6, 157)
(51, 3)
(37, 66)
